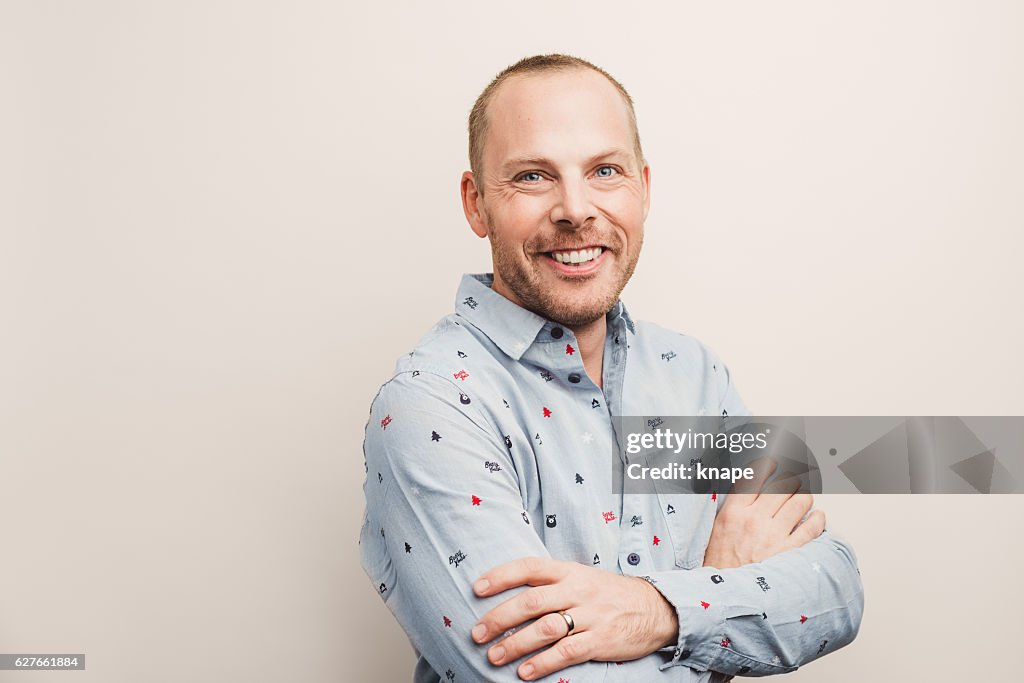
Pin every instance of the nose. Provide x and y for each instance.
(574, 207)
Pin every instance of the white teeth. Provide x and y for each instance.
(578, 256)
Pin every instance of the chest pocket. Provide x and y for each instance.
(689, 518)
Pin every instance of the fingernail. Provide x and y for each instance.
(526, 670)
(479, 631)
(481, 586)
(497, 654)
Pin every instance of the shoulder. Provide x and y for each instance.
(689, 359)
(691, 351)
(444, 349)
(430, 379)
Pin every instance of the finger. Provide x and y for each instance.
(574, 649)
(530, 604)
(526, 571)
(776, 493)
(793, 510)
(745, 490)
(809, 529)
(544, 631)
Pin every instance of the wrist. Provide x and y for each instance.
(664, 620)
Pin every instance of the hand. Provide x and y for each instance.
(617, 618)
(751, 527)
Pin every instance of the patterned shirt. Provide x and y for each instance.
(491, 443)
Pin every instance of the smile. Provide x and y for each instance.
(576, 258)
(576, 262)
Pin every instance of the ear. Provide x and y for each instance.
(471, 205)
(646, 174)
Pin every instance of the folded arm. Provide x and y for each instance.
(443, 507)
(766, 617)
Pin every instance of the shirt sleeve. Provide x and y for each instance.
(769, 617)
(443, 506)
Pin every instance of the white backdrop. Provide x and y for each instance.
(221, 223)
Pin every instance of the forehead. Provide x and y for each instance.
(561, 115)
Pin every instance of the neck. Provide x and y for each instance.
(590, 338)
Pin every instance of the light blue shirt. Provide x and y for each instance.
(491, 443)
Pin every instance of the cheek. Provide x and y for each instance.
(626, 210)
(520, 217)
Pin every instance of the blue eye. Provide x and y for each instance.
(531, 177)
(610, 172)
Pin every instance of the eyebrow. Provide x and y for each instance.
(543, 161)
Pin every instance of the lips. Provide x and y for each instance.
(576, 257)
(576, 261)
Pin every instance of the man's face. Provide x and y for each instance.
(562, 195)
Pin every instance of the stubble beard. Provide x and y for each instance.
(523, 278)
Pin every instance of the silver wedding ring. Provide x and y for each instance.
(568, 622)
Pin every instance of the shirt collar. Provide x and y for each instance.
(513, 329)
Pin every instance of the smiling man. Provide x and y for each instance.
(492, 530)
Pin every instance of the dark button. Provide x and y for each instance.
(556, 332)
(685, 654)
(574, 377)
(633, 559)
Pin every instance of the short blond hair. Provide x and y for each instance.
(532, 65)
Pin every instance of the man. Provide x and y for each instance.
(492, 531)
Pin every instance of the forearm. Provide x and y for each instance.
(769, 617)
(443, 506)
(437, 608)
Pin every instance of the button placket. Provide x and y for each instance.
(576, 375)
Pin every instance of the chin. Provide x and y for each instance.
(582, 311)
